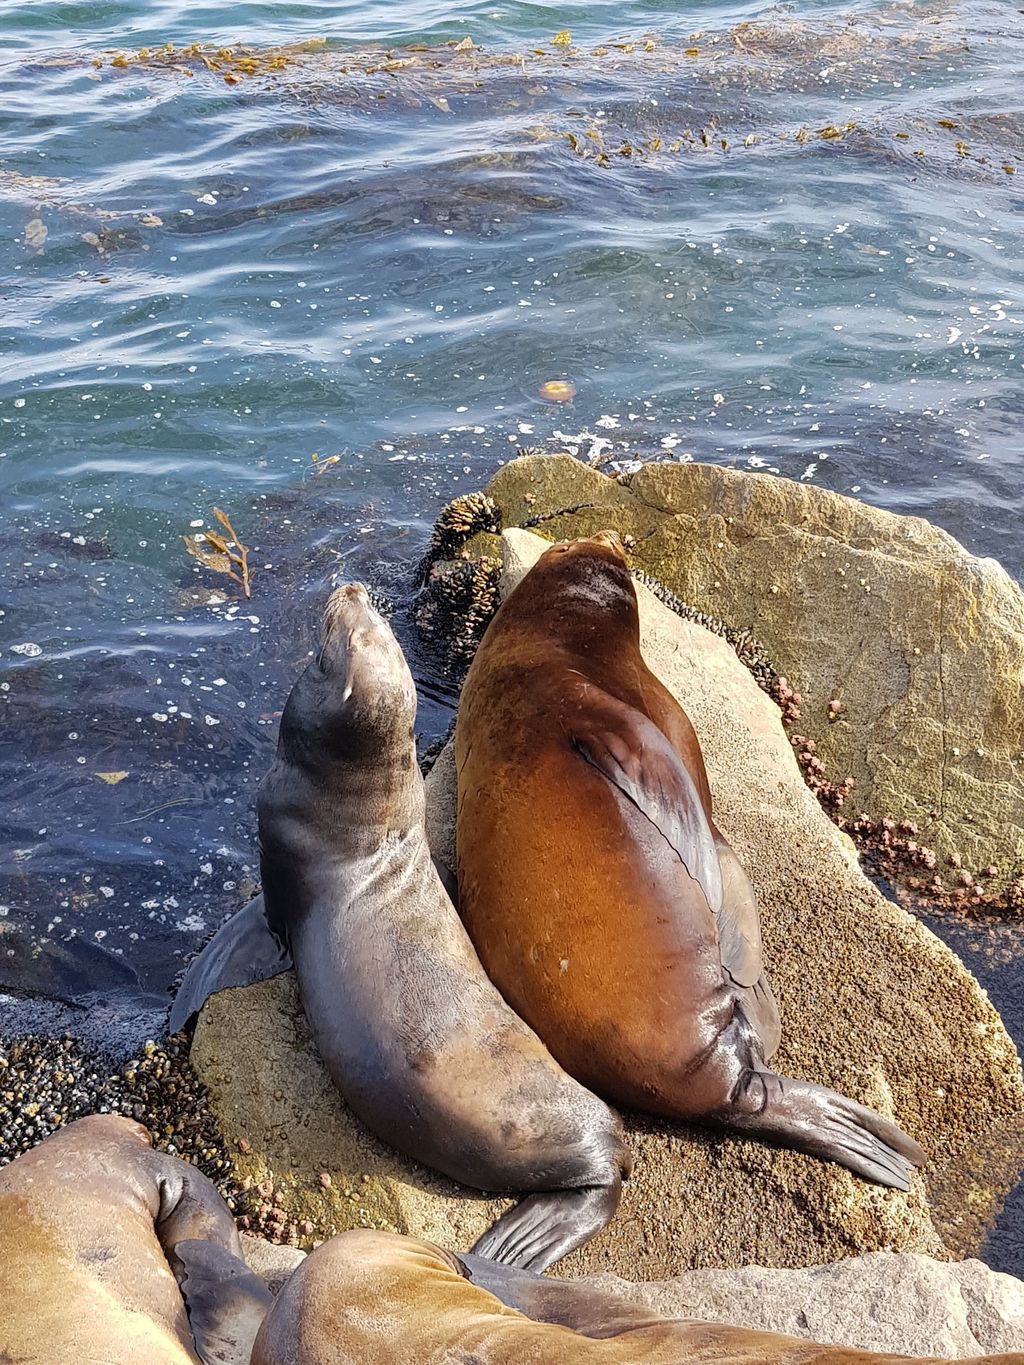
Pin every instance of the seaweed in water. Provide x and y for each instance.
(228, 557)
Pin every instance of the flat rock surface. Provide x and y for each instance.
(872, 1004)
(920, 642)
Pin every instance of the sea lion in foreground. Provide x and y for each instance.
(373, 1298)
(91, 1225)
(416, 1038)
(604, 903)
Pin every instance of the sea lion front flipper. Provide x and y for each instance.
(763, 1012)
(739, 924)
(242, 951)
(633, 754)
(226, 1303)
(544, 1227)
(739, 939)
(587, 1309)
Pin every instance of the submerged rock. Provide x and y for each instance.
(873, 1004)
(907, 651)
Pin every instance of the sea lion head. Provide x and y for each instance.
(357, 696)
(591, 561)
(580, 587)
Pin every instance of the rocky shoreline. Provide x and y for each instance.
(764, 592)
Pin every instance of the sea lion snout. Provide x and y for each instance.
(611, 540)
(349, 621)
(360, 664)
(347, 606)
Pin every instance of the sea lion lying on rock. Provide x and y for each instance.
(374, 1298)
(602, 899)
(92, 1226)
(416, 1038)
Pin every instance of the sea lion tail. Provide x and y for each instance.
(242, 951)
(825, 1124)
(226, 1303)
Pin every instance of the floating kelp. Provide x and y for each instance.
(225, 556)
(755, 50)
(45, 192)
(833, 58)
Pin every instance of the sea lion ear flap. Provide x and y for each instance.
(242, 951)
(226, 1303)
(633, 754)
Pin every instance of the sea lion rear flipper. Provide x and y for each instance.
(810, 1118)
(634, 755)
(242, 951)
(226, 1303)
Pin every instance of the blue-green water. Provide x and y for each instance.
(781, 237)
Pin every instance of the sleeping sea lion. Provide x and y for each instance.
(373, 1298)
(91, 1224)
(604, 903)
(416, 1038)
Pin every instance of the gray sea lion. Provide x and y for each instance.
(417, 1039)
(373, 1298)
(602, 899)
(94, 1228)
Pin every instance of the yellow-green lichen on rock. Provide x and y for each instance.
(919, 643)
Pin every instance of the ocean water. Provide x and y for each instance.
(324, 294)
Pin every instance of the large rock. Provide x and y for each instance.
(920, 642)
(274, 1264)
(872, 1004)
(882, 1302)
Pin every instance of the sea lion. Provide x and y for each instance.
(604, 903)
(416, 1038)
(91, 1225)
(373, 1298)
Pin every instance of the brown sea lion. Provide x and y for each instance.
(94, 1228)
(603, 901)
(416, 1038)
(373, 1298)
